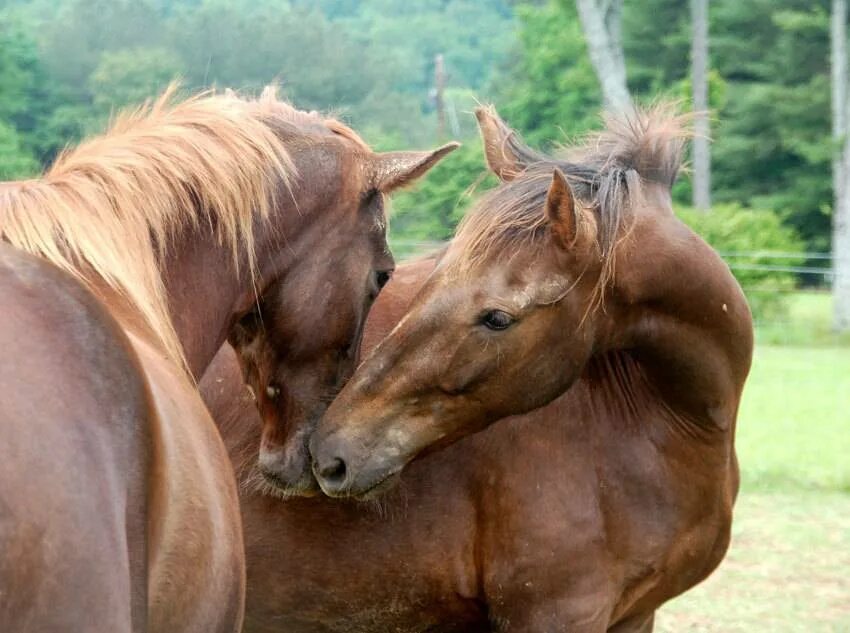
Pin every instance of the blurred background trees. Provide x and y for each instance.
(66, 65)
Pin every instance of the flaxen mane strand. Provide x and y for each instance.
(110, 208)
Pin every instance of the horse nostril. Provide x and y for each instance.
(333, 472)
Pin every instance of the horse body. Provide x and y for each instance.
(572, 287)
(153, 241)
(122, 504)
(586, 514)
(60, 570)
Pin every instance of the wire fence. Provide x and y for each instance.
(789, 291)
(412, 248)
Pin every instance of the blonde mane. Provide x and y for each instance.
(111, 208)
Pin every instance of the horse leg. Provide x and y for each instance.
(551, 619)
(532, 608)
(643, 623)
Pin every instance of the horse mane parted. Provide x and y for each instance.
(606, 170)
(111, 207)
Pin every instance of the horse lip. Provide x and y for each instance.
(301, 489)
(382, 485)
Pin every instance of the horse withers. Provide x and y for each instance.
(128, 264)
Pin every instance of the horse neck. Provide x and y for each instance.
(677, 311)
(205, 292)
(208, 289)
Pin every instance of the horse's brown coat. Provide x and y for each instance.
(118, 505)
(576, 516)
(605, 308)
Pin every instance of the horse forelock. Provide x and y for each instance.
(607, 171)
(113, 206)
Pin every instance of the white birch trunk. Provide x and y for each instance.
(600, 20)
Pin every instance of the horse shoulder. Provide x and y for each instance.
(196, 545)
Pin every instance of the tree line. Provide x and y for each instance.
(762, 68)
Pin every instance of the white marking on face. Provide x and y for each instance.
(550, 290)
(522, 299)
(396, 438)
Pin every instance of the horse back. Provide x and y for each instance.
(73, 415)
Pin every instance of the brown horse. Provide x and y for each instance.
(125, 268)
(475, 529)
(573, 277)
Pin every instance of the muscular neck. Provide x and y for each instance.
(204, 294)
(688, 325)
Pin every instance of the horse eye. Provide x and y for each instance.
(382, 277)
(496, 320)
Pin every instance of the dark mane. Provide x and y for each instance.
(607, 171)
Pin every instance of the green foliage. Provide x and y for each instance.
(773, 145)
(76, 33)
(473, 36)
(432, 209)
(248, 45)
(25, 96)
(549, 90)
(15, 161)
(769, 90)
(65, 65)
(806, 322)
(745, 237)
(17, 62)
(129, 76)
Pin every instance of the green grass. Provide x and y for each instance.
(794, 422)
(804, 319)
(787, 568)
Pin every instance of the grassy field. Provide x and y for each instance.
(794, 423)
(788, 568)
(786, 572)
(805, 320)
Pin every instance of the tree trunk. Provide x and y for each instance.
(600, 20)
(840, 169)
(702, 129)
(439, 95)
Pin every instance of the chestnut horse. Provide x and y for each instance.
(474, 528)
(573, 277)
(125, 268)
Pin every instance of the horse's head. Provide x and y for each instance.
(506, 322)
(298, 342)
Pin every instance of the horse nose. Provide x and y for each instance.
(286, 467)
(331, 469)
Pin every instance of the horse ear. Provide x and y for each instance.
(391, 170)
(561, 210)
(506, 155)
